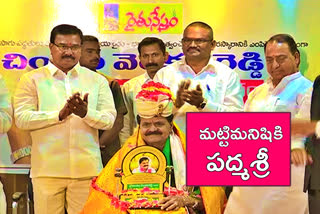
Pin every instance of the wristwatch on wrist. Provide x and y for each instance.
(20, 153)
(203, 104)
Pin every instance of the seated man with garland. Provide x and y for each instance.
(156, 129)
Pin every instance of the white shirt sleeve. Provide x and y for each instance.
(104, 114)
(303, 113)
(26, 104)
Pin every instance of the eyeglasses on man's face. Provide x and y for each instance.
(188, 41)
(64, 47)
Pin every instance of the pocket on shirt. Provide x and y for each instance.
(281, 106)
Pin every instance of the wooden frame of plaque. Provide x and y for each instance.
(133, 179)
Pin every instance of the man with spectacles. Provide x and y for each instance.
(201, 83)
(63, 105)
(64, 47)
(152, 55)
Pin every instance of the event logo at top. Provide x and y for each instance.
(141, 18)
(238, 149)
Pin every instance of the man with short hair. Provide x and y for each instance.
(90, 52)
(152, 55)
(155, 128)
(285, 91)
(144, 166)
(5, 124)
(200, 82)
(64, 105)
(109, 139)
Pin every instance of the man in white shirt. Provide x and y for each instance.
(64, 105)
(5, 124)
(152, 55)
(285, 91)
(200, 82)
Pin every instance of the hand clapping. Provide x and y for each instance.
(78, 106)
(193, 97)
(75, 105)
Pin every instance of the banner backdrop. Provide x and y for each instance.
(240, 28)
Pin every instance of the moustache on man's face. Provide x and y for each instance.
(68, 56)
(151, 64)
(153, 133)
(96, 60)
(193, 48)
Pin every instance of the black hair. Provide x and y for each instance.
(150, 41)
(65, 29)
(89, 38)
(202, 25)
(284, 38)
(143, 159)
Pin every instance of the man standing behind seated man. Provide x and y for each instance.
(155, 128)
(200, 82)
(64, 105)
(152, 55)
(285, 91)
(109, 139)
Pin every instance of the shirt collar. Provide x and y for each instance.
(146, 76)
(53, 69)
(284, 82)
(210, 67)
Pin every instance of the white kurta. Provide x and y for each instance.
(68, 148)
(288, 96)
(220, 87)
